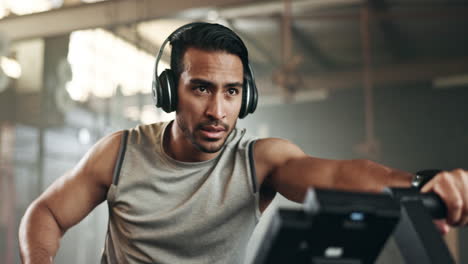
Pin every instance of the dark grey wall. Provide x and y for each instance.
(418, 127)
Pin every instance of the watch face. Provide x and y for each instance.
(417, 180)
(424, 176)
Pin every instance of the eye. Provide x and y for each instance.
(233, 91)
(201, 89)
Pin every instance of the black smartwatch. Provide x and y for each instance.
(422, 177)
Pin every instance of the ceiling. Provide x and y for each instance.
(300, 45)
(328, 44)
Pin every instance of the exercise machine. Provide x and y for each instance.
(335, 227)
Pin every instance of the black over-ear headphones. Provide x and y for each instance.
(165, 90)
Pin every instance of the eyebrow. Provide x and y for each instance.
(203, 82)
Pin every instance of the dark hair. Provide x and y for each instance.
(208, 37)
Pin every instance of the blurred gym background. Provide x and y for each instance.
(379, 79)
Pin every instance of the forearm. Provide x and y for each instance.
(365, 175)
(39, 235)
(295, 176)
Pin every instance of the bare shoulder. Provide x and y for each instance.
(99, 162)
(71, 197)
(270, 153)
(276, 150)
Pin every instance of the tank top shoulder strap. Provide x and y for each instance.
(120, 158)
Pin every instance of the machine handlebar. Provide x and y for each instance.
(431, 201)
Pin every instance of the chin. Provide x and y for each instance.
(210, 148)
(210, 145)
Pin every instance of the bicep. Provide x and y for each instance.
(290, 171)
(70, 198)
(74, 195)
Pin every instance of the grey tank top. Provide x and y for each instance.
(165, 211)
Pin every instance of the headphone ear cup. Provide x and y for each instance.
(249, 98)
(156, 95)
(249, 95)
(244, 104)
(167, 92)
(254, 101)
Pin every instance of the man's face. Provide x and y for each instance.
(209, 97)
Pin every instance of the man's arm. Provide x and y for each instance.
(67, 201)
(285, 168)
(288, 170)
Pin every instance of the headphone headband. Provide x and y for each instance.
(168, 39)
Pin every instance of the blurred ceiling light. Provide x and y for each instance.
(451, 81)
(10, 67)
(3, 9)
(212, 15)
(101, 61)
(92, 1)
(149, 115)
(24, 7)
(76, 93)
(84, 136)
(156, 31)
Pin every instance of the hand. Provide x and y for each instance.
(442, 226)
(452, 187)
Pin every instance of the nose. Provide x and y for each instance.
(216, 109)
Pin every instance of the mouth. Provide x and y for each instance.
(213, 131)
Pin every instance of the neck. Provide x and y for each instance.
(178, 147)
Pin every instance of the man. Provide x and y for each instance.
(191, 190)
